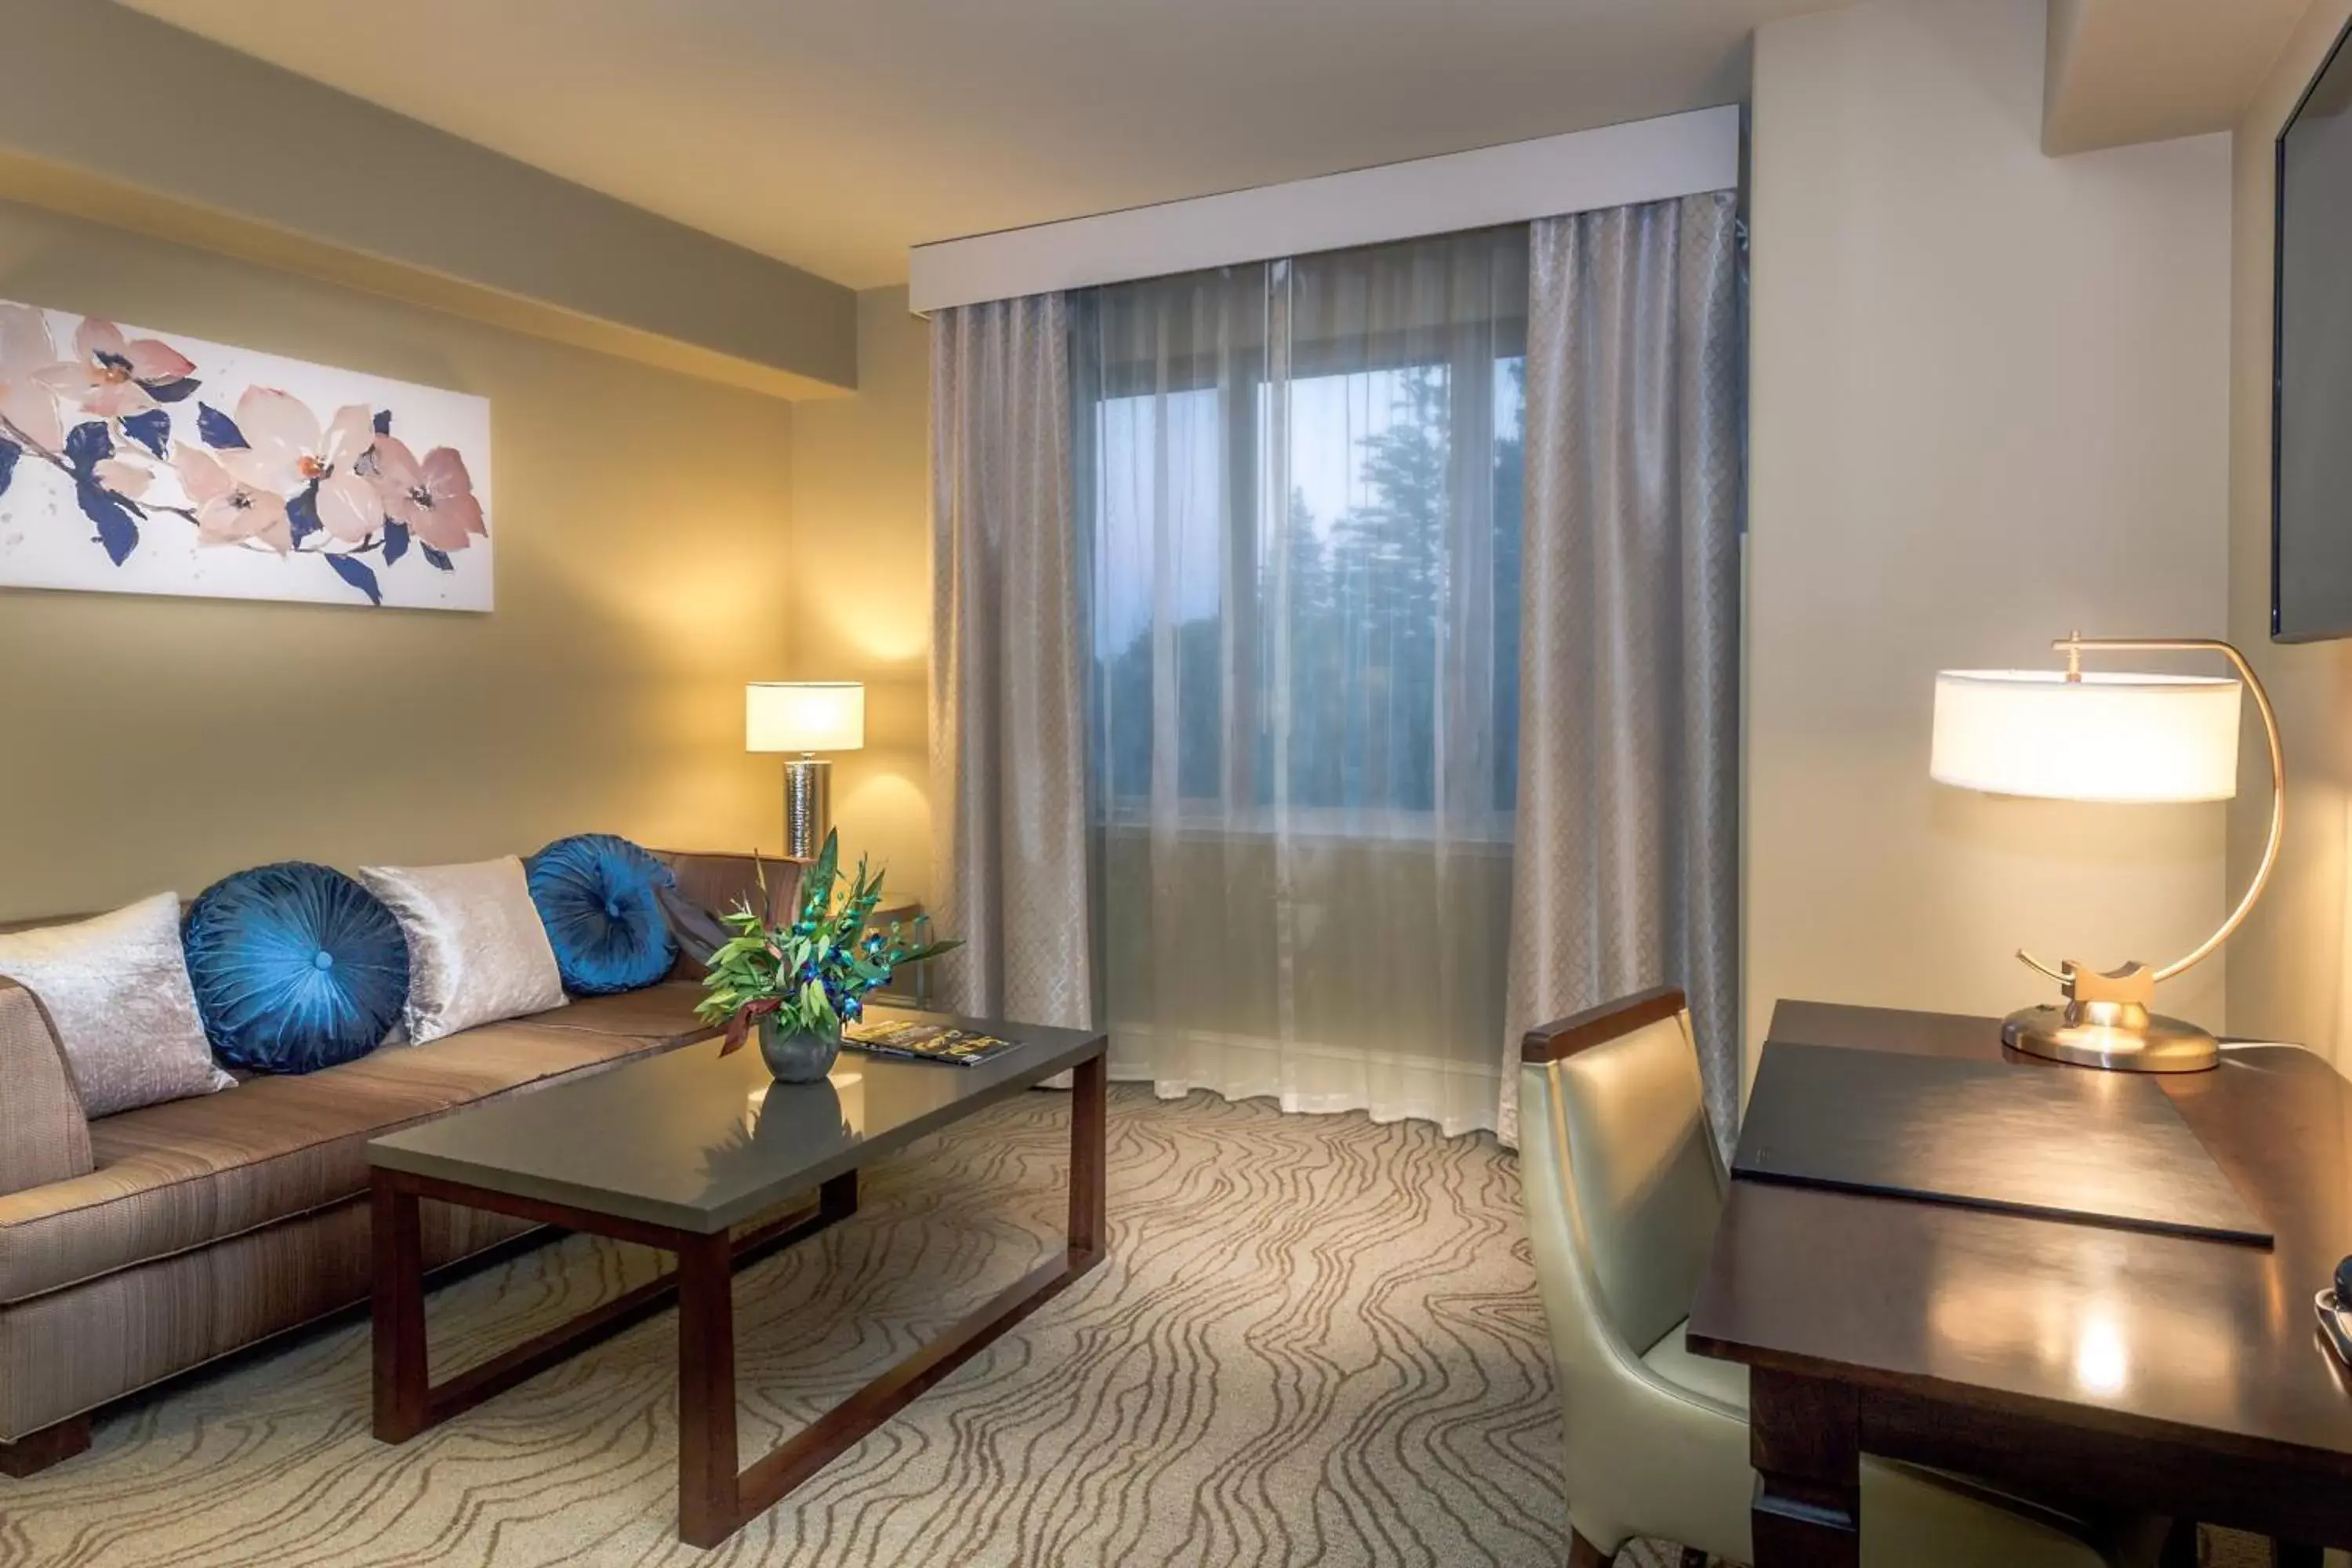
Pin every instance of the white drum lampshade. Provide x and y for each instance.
(804, 716)
(2122, 739)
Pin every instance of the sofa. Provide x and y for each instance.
(136, 1247)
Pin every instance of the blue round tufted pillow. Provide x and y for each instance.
(599, 899)
(296, 967)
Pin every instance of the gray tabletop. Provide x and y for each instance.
(695, 1142)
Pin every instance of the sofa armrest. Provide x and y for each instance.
(44, 1136)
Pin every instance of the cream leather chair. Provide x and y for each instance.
(1624, 1186)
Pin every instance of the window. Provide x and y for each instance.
(1301, 486)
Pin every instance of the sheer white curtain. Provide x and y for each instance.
(1298, 489)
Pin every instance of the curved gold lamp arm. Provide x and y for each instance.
(2073, 648)
(2033, 963)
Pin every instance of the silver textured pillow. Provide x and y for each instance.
(116, 989)
(477, 951)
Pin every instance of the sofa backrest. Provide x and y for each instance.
(37, 921)
(722, 882)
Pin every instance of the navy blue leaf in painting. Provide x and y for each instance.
(9, 453)
(151, 429)
(356, 573)
(440, 561)
(171, 391)
(117, 519)
(395, 541)
(302, 513)
(217, 430)
(87, 446)
(383, 421)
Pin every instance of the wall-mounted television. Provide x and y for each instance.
(2311, 425)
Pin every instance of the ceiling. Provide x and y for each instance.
(834, 135)
(2121, 71)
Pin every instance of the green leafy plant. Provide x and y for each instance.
(814, 974)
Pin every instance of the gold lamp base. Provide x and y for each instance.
(808, 805)
(2105, 1035)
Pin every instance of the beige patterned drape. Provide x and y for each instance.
(1626, 870)
(1008, 763)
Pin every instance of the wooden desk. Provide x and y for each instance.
(2150, 1373)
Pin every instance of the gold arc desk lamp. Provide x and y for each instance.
(2120, 738)
(806, 717)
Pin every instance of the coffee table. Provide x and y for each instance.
(700, 1157)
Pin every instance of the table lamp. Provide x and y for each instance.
(2125, 738)
(806, 717)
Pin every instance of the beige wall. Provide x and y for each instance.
(1988, 405)
(2288, 967)
(861, 587)
(642, 528)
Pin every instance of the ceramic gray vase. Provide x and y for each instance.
(796, 1055)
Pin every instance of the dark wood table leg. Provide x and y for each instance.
(836, 1200)
(402, 1390)
(1804, 1436)
(37, 1451)
(1089, 1157)
(709, 1505)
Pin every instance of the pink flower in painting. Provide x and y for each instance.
(25, 352)
(228, 509)
(286, 451)
(126, 473)
(434, 500)
(111, 376)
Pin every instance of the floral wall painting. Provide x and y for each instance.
(141, 462)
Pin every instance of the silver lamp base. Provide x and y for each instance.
(2100, 1034)
(808, 807)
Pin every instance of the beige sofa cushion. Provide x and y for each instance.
(478, 951)
(180, 1175)
(116, 991)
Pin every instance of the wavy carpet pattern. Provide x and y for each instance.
(1317, 1341)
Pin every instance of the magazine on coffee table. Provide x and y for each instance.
(924, 1042)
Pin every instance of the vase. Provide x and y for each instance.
(796, 1055)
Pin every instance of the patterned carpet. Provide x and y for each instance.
(1317, 1343)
